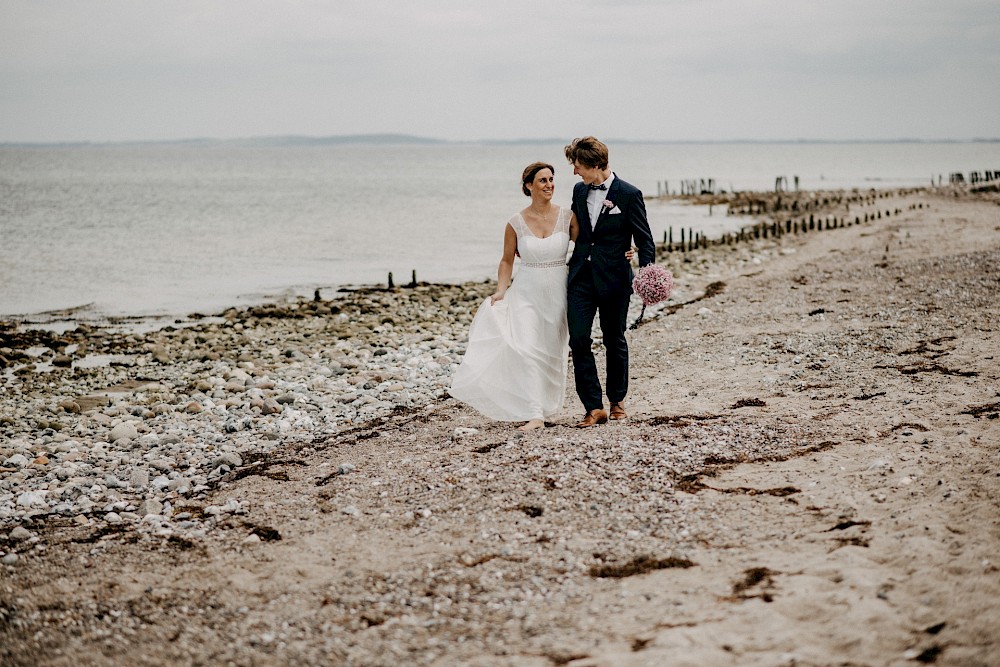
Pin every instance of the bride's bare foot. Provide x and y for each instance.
(532, 425)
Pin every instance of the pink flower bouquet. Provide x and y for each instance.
(653, 284)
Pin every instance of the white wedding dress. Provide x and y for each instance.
(514, 368)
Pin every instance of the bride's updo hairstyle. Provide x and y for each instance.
(528, 175)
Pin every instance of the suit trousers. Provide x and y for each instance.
(583, 304)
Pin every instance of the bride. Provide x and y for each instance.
(514, 368)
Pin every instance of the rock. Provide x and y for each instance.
(19, 534)
(139, 479)
(194, 407)
(149, 506)
(31, 499)
(16, 461)
(271, 407)
(69, 405)
(9, 559)
(464, 431)
(101, 419)
(180, 485)
(62, 360)
(235, 386)
(124, 430)
(112, 517)
(159, 354)
(231, 459)
(345, 468)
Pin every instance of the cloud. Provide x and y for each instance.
(678, 69)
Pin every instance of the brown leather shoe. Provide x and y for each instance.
(618, 411)
(593, 418)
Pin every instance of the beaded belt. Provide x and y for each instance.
(544, 265)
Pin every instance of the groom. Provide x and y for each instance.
(610, 214)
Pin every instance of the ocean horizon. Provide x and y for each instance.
(399, 138)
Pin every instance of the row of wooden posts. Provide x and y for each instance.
(693, 186)
(974, 177)
(706, 186)
(693, 241)
(688, 240)
(757, 203)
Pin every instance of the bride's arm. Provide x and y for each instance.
(506, 268)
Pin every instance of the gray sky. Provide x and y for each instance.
(100, 70)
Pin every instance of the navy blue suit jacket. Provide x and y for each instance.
(606, 240)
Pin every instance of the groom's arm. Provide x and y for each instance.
(641, 234)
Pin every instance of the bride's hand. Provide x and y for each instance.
(496, 297)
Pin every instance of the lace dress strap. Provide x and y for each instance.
(517, 222)
(562, 222)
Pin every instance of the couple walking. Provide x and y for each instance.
(514, 368)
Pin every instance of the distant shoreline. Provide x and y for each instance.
(406, 139)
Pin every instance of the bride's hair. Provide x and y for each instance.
(528, 175)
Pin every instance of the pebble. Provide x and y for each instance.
(19, 534)
(16, 461)
(231, 459)
(139, 479)
(149, 506)
(124, 430)
(31, 499)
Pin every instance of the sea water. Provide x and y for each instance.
(147, 229)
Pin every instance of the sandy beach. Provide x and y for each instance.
(810, 475)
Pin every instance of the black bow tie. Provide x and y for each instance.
(602, 186)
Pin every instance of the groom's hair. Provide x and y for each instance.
(588, 151)
(528, 175)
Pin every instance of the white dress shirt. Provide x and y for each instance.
(595, 198)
